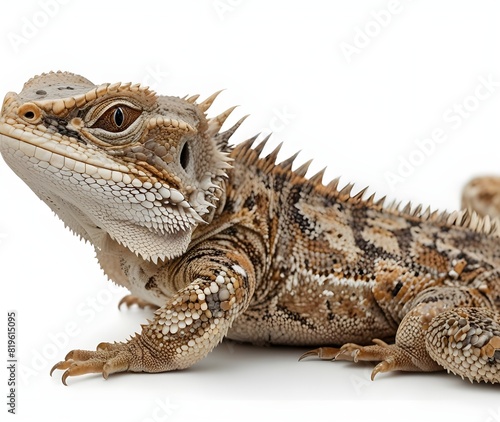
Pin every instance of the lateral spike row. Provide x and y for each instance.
(260, 147)
(346, 190)
(381, 202)
(246, 145)
(371, 199)
(394, 206)
(463, 218)
(426, 214)
(445, 216)
(417, 211)
(288, 163)
(244, 152)
(334, 184)
(302, 170)
(407, 208)
(474, 221)
(271, 158)
(391, 205)
(318, 177)
(480, 225)
(434, 215)
(359, 195)
(486, 224)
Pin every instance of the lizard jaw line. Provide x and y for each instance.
(56, 157)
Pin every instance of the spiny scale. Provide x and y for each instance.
(215, 123)
(302, 170)
(206, 104)
(288, 163)
(318, 177)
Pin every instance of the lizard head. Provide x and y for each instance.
(118, 160)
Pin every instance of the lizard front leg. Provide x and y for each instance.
(185, 329)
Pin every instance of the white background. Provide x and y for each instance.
(308, 70)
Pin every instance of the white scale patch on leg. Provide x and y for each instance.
(239, 270)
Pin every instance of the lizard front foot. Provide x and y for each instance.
(107, 359)
(131, 300)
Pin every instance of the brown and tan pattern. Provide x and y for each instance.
(228, 243)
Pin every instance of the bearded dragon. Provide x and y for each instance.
(225, 242)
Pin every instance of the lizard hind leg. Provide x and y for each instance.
(408, 353)
(466, 341)
(456, 333)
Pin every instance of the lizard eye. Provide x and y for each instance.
(117, 118)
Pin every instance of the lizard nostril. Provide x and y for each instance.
(30, 112)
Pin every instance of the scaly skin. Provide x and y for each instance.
(225, 242)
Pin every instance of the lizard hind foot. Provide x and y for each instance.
(466, 341)
(390, 357)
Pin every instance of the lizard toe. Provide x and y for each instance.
(131, 300)
(106, 362)
(323, 353)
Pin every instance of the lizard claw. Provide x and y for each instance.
(386, 365)
(348, 352)
(108, 359)
(324, 353)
